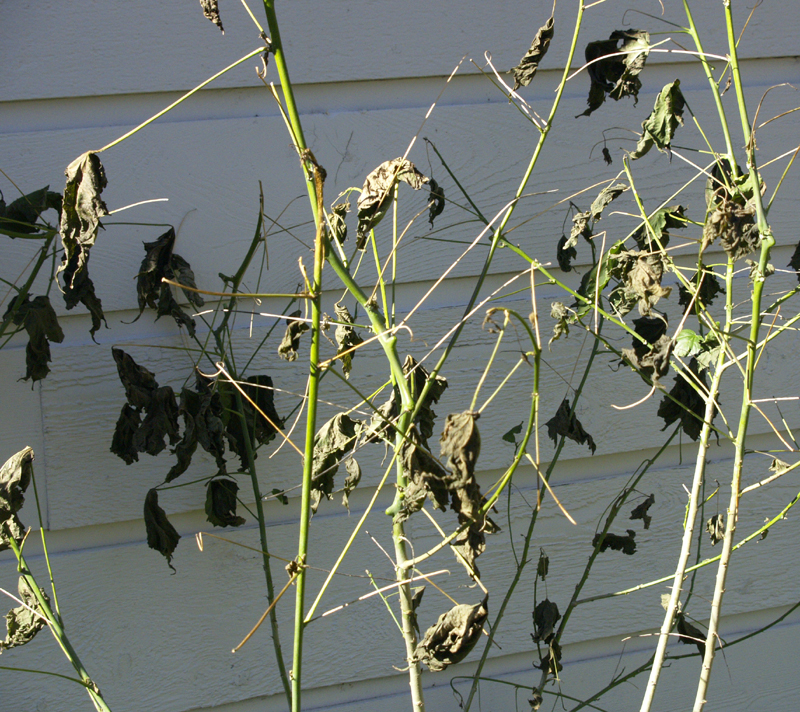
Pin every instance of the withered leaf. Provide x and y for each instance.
(606, 196)
(331, 443)
(616, 76)
(21, 216)
(543, 565)
(287, 349)
(561, 314)
(526, 69)
(710, 287)
(22, 623)
(715, 527)
(617, 542)
(568, 426)
(346, 338)
(128, 424)
(794, 263)
(565, 254)
(211, 11)
(735, 227)
(652, 363)
(453, 636)
(545, 617)
(351, 481)
(416, 599)
(607, 156)
(377, 193)
(160, 262)
(659, 127)
(690, 635)
(161, 535)
(39, 319)
(262, 420)
(461, 445)
(670, 217)
(221, 503)
(426, 477)
(417, 377)
(551, 662)
(641, 509)
(685, 403)
(436, 201)
(79, 289)
(337, 221)
(15, 476)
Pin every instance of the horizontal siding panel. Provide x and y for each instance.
(325, 42)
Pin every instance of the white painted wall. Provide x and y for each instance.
(74, 78)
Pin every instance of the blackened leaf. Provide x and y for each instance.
(337, 221)
(551, 662)
(122, 442)
(161, 535)
(562, 424)
(565, 254)
(735, 227)
(22, 623)
(287, 349)
(650, 328)
(509, 435)
(80, 214)
(262, 426)
(39, 319)
(545, 617)
(377, 193)
(351, 481)
(79, 289)
(332, 442)
(221, 503)
(652, 363)
(716, 528)
(211, 11)
(685, 405)
(710, 287)
(15, 476)
(453, 636)
(346, 338)
(794, 263)
(605, 198)
(670, 217)
(616, 76)
(607, 156)
(617, 542)
(21, 215)
(641, 509)
(160, 421)
(139, 383)
(659, 128)
(436, 201)
(543, 565)
(183, 274)
(417, 377)
(689, 635)
(526, 69)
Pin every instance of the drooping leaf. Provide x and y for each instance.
(15, 476)
(565, 254)
(690, 635)
(21, 215)
(416, 599)
(295, 328)
(658, 129)
(436, 201)
(211, 11)
(426, 477)
(617, 542)
(161, 535)
(756, 274)
(337, 221)
(653, 362)
(710, 287)
(551, 661)
(562, 424)
(351, 481)
(526, 69)
(22, 623)
(160, 262)
(221, 503)
(332, 442)
(461, 446)
(735, 227)
(685, 404)
(39, 319)
(616, 76)
(377, 193)
(508, 436)
(453, 636)
(543, 565)
(81, 211)
(794, 263)
(346, 338)
(607, 156)
(640, 274)
(128, 423)
(670, 217)
(545, 617)
(640, 511)
(715, 527)
(561, 314)
(605, 198)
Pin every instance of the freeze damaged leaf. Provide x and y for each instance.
(617, 542)
(710, 287)
(616, 76)
(565, 253)
(526, 69)
(21, 216)
(684, 403)
(670, 217)
(39, 319)
(332, 442)
(453, 636)
(735, 227)
(338, 225)
(161, 535)
(545, 617)
(22, 623)
(715, 527)
(377, 194)
(351, 481)
(15, 476)
(211, 11)
(258, 407)
(641, 509)
(568, 426)
(658, 129)
(346, 338)
(652, 363)
(288, 347)
(690, 635)
(221, 503)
